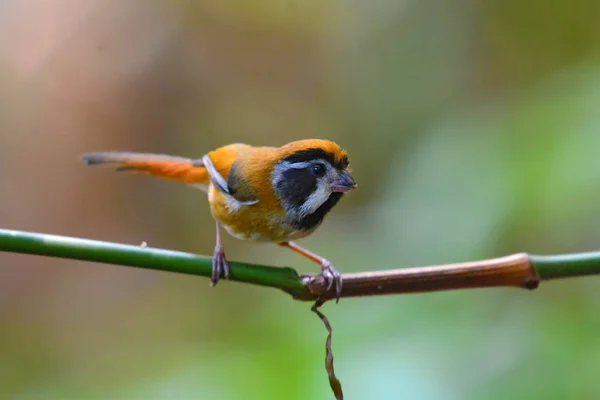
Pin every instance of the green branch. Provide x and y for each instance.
(518, 270)
(566, 265)
(285, 279)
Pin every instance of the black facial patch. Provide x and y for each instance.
(314, 219)
(316, 153)
(296, 186)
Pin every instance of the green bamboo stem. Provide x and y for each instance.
(566, 265)
(285, 279)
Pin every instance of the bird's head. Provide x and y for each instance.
(310, 177)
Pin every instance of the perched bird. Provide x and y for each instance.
(268, 194)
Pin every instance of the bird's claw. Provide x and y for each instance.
(333, 279)
(220, 266)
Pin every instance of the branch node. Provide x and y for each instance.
(317, 286)
(531, 282)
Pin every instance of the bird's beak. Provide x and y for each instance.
(344, 183)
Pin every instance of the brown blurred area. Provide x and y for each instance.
(83, 79)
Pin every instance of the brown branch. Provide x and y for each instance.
(515, 270)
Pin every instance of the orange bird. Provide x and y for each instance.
(268, 194)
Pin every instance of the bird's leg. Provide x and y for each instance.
(331, 275)
(219, 262)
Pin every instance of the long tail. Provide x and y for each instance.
(159, 165)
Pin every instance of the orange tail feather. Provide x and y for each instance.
(159, 165)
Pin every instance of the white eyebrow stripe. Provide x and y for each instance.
(216, 178)
(304, 164)
(300, 165)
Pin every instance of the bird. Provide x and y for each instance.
(256, 193)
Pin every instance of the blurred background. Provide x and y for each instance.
(473, 130)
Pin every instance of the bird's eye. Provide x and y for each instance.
(318, 170)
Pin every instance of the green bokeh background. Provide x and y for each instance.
(473, 129)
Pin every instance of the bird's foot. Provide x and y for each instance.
(333, 279)
(220, 266)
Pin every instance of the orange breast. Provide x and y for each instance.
(258, 222)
